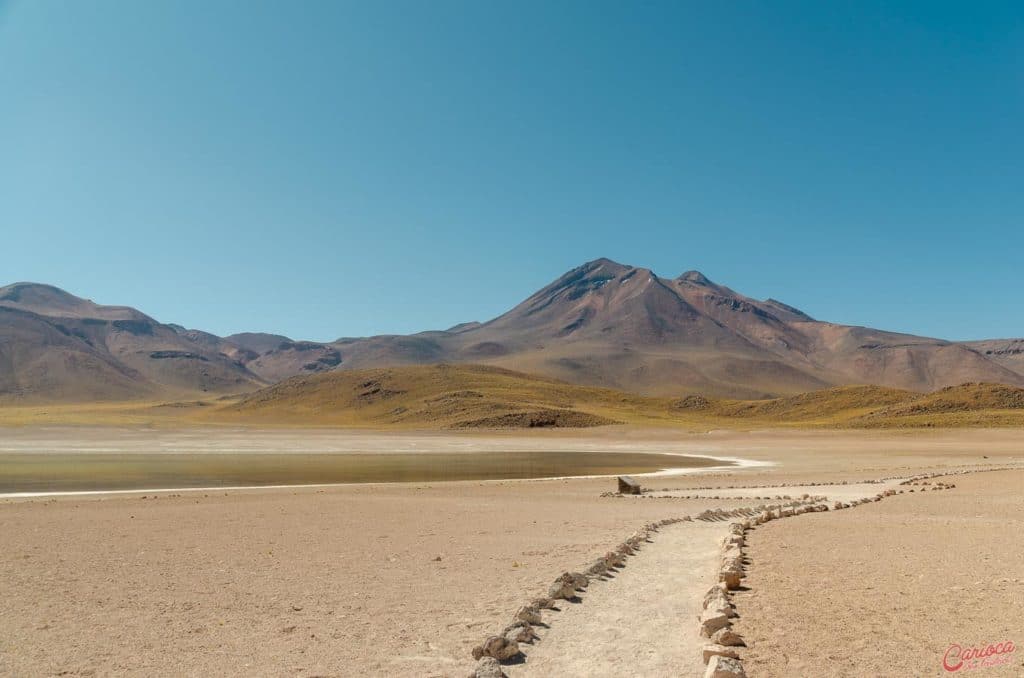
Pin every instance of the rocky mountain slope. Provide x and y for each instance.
(606, 324)
(601, 324)
(56, 346)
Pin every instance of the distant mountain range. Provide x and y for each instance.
(601, 324)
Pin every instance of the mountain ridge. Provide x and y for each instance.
(600, 324)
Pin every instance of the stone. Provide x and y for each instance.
(711, 621)
(724, 667)
(561, 590)
(520, 632)
(714, 592)
(732, 540)
(528, 614)
(730, 578)
(719, 602)
(728, 637)
(732, 564)
(499, 647)
(488, 667)
(710, 650)
(579, 580)
(628, 485)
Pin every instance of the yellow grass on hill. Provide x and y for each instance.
(486, 397)
(442, 396)
(826, 406)
(973, 405)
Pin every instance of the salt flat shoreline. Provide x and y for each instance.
(733, 463)
(385, 579)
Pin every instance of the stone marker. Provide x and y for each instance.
(730, 578)
(520, 632)
(728, 637)
(579, 580)
(628, 485)
(561, 590)
(712, 650)
(714, 592)
(499, 647)
(528, 614)
(711, 621)
(487, 667)
(724, 667)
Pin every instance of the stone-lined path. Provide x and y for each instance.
(642, 622)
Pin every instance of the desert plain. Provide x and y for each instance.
(406, 578)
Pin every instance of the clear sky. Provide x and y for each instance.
(325, 169)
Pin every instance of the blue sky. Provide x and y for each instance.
(326, 169)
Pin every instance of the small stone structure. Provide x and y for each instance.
(628, 485)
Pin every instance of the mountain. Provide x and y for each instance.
(602, 324)
(1007, 352)
(606, 324)
(56, 346)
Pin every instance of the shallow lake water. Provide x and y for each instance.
(20, 472)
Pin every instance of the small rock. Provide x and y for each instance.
(561, 590)
(724, 667)
(628, 485)
(730, 578)
(499, 647)
(711, 621)
(714, 592)
(520, 632)
(727, 637)
(712, 650)
(487, 667)
(542, 603)
(716, 600)
(528, 614)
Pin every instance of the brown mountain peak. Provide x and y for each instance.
(47, 300)
(695, 277)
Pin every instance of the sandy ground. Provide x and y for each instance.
(344, 581)
(884, 589)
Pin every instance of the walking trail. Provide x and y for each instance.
(642, 621)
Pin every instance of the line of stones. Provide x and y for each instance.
(871, 481)
(507, 645)
(720, 653)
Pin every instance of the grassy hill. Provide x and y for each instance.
(976, 405)
(486, 397)
(442, 396)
